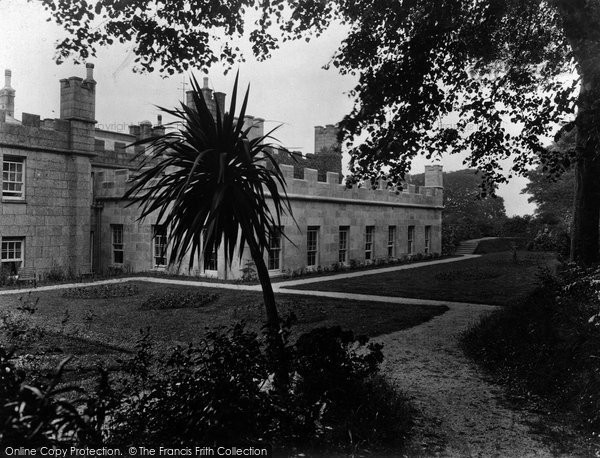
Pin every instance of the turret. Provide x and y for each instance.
(7, 95)
(326, 137)
(78, 97)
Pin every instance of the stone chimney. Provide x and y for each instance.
(220, 99)
(434, 176)
(7, 95)
(158, 129)
(145, 129)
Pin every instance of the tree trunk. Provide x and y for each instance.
(586, 215)
(582, 30)
(275, 343)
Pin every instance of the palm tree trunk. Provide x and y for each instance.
(275, 343)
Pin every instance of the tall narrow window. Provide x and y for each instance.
(312, 245)
(343, 245)
(274, 261)
(391, 245)
(370, 230)
(12, 254)
(159, 246)
(13, 178)
(427, 239)
(117, 243)
(210, 259)
(411, 240)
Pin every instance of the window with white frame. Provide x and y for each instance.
(343, 245)
(391, 245)
(312, 245)
(411, 240)
(13, 178)
(159, 246)
(369, 231)
(274, 260)
(427, 239)
(117, 243)
(12, 253)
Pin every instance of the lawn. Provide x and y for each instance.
(490, 279)
(93, 327)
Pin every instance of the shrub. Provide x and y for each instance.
(177, 299)
(548, 345)
(35, 416)
(102, 291)
(221, 391)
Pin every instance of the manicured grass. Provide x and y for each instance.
(490, 279)
(117, 321)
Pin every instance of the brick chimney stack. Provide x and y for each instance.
(7, 95)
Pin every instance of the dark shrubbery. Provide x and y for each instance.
(222, 391)
(559, 242)
(177, 299)
(35, 415)
(549, 345)
(102, 291)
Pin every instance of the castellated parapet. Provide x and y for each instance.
(112, 184)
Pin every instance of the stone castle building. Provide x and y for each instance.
(63, 181)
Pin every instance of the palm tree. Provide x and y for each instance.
(207, 177)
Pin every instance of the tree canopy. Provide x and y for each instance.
(494, 66)
(469, 214)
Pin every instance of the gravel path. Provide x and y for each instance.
(461, 414)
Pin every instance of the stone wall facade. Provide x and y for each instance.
(62, 206)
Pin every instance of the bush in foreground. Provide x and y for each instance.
(549, 345)
(221, 391)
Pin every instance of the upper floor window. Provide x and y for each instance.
(13, 178)
(370, 230)
(312, 245)
(159, 245)
(117, 243)
(411, 239)
(391, 245)
(274, 261)
(343, 245)
(427, 239)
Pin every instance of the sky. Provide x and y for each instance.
(291, 89)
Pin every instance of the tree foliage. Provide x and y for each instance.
(466, 212)
(553, 198)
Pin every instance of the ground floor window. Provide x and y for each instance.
(370, 230)
(343, 245)
(210, 259)
(12, 254)
(391, 246)
(427, 239)
(159, 245)
(312, 245)
(411, 240)
(274, 261)
(117, 243)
